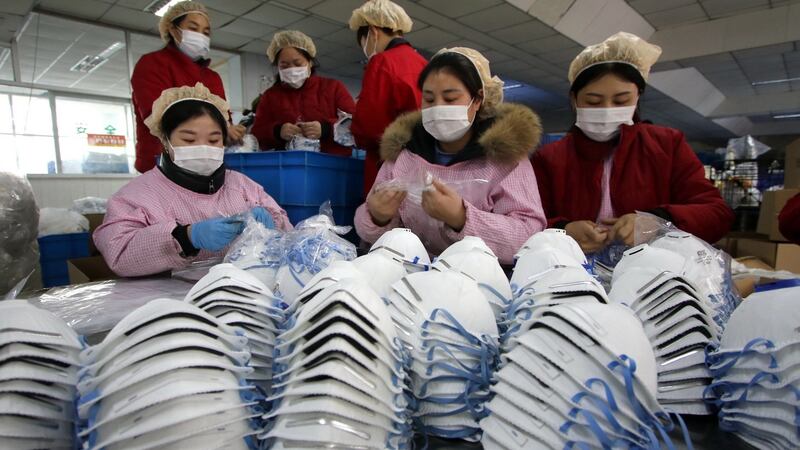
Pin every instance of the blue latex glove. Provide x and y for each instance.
(263, 217)
(215, 234)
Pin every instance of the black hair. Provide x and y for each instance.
(457, 65)
(190, 109)
(622, 70)
(364, 31)
(313, 61)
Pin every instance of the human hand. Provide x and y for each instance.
(383, 205)
(263, 217)
(443, 203)
(311, 130)
(622, 229)
(290, 130)
(236, 133)
(589, 236)
(215, 234)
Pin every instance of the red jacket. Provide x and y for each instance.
(317, 100)
(163, 69)
(389, 88)
(654, 170)
(789, 220)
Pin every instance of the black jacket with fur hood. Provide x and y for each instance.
(507, 138)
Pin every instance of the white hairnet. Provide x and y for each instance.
(622, 47)
(290, 38)
(171, 96)
(179, 10)
(492, 85)
(381, 14)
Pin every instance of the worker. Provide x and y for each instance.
(465, 135)
(789, 220)
(389, 86)
(300, 103)
(186, 30)
(190, 207)
(612, 164)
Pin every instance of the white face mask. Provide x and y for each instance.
(200, 159)
(374, 49)
(602, 124)
(447, 123)
(295, 76)
(195, 45)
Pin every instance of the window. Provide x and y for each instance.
(26, 132)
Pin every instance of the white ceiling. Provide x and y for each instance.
(513, 34)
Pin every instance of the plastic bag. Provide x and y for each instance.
(249, 145)
(257, 250)
(745, 147)
(311, 247)
(89, 205)
(195, 270)
(19, 222)
(708, 268)
(303, 143)
(341, 129)
(61, 221)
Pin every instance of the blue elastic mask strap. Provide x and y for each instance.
(627, 372)
(712, 359)
(455, 325)
(496, 293)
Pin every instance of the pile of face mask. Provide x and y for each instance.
(549, 271)
(677, 321)
(239, 300)
(449, 330)
(168, 376)
(394, 255)
(582, 376)
(756, 371)
(339, 377)
(38, 373)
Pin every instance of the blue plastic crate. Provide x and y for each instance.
(55, 250)
(298, 178)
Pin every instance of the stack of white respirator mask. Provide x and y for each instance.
(38, 373)
(756, 368)
(449, 330)
(677, 321)
(582, 376)
(339, 373)
(395, 254)
(168, 376)
(241, 301)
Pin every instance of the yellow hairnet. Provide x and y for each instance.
(381, 14)
(492, 85)
(179, 10)
(621, 48)
(171, 96)
(290, 38)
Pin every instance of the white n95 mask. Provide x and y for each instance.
(195, 45)
(602, 124)
(447, 123)
(295, 76)
(200, 159)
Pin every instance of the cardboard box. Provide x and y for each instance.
(781, 256)
(85, 270)
(771, 206)
(746, 286)
(792, 166)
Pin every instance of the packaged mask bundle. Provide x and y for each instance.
(341, 129)
(258, 250)
(299, 142)
(19, 222)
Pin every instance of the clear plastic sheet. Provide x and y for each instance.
(258, 250)
(745, 147)
(89, 205)
(341, 129)
(19, 222)
(195, 270)
(61, 221)
(249, 145)
(96, 307)
(303, 143)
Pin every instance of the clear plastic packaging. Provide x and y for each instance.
(19, 222)
(745, 147)
(90, 205)
(417, 185)
(61, 221)
(303, 143)
(341, 129)
(249, 145)
(195, 270)
(258, 250)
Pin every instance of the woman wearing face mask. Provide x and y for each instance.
(389, 86)
(186, 31)
(300, 103)
(464, 132)
(189, 207)
(611, 165)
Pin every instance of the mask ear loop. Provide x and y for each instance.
(713, 360)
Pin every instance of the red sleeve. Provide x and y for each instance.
(147, 83)
(374, 110)
(789, 220)
(696, 206)
(546, 192)
(344, 101)
(264, 124)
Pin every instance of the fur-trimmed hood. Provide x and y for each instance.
(508, 137)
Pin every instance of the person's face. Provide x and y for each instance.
(201, 130)
(194, 22)
(291, 57)
(608, 91)
(443, 88)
